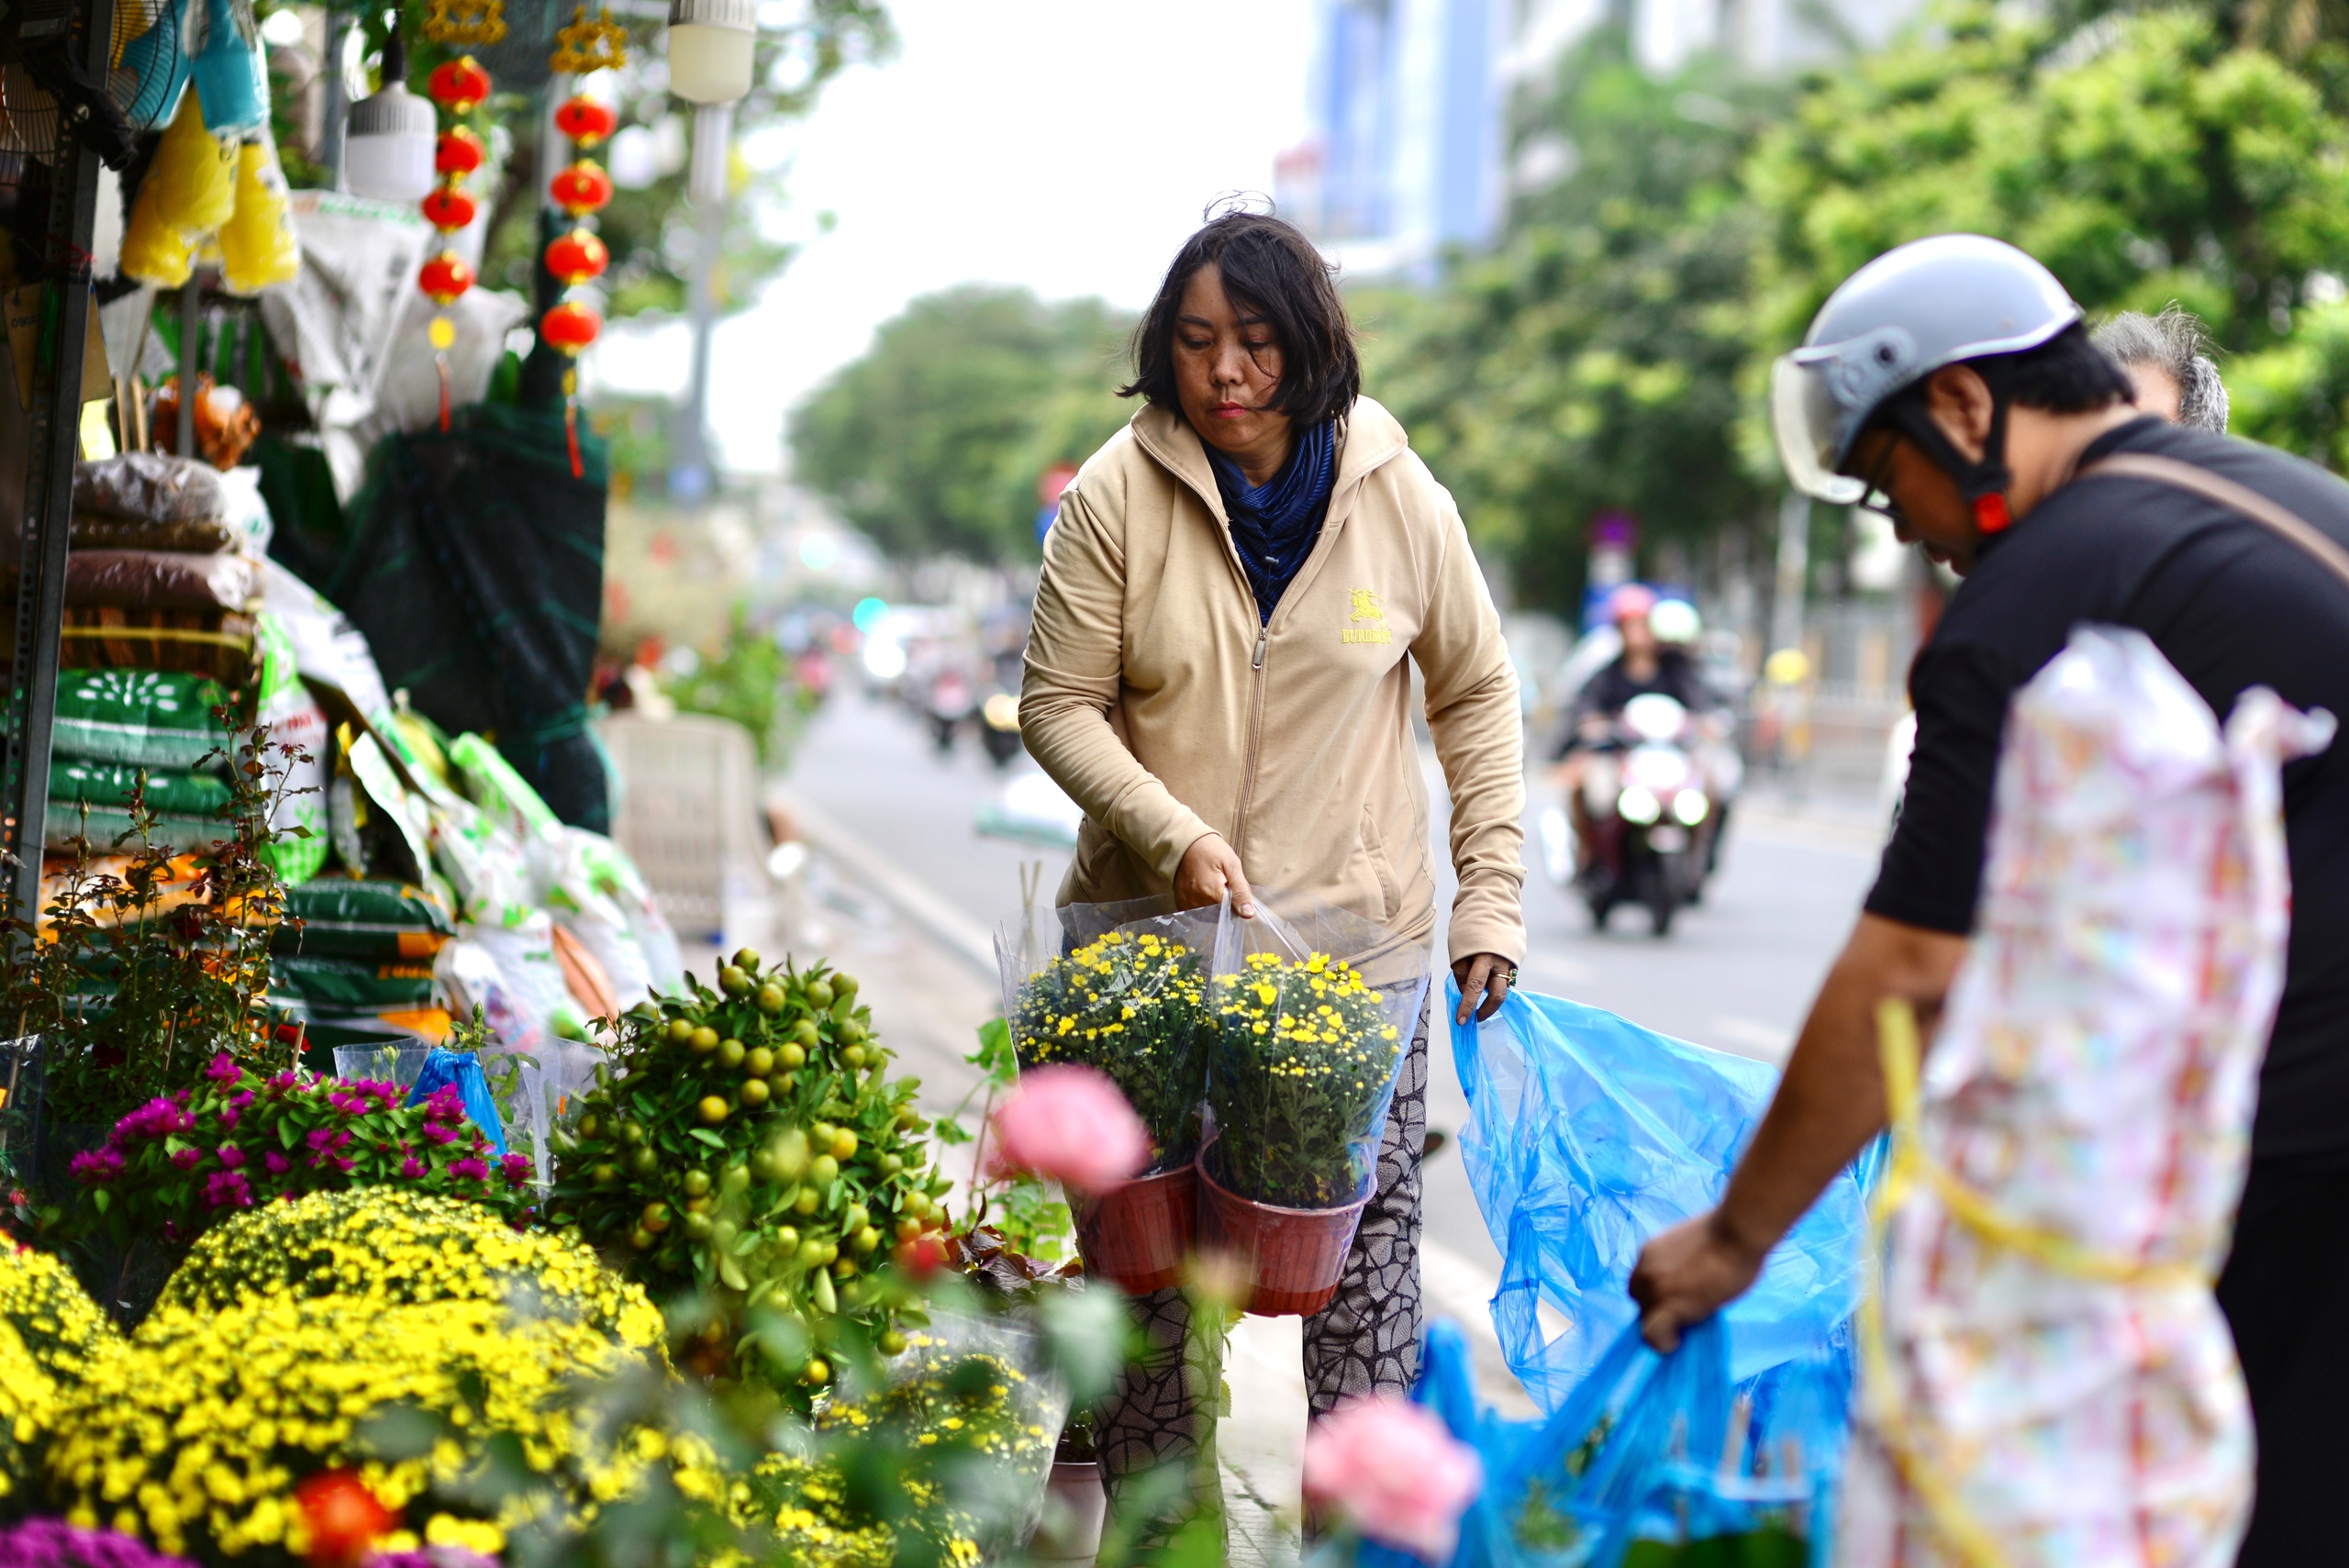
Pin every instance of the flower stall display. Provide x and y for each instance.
(1122, 989)
(1313, 1013)
(56, 1320)
(749, 1145)
(280, 1385)
(181, 1162)
(407, 1248)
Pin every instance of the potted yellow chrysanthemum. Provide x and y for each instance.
(1122, 989)
(1301, 1069)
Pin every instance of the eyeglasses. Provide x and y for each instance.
(1878, 495)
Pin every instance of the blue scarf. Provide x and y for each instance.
(1274, 524)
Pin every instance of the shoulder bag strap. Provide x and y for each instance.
(2234, 497)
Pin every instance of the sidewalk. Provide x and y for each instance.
(928, 974)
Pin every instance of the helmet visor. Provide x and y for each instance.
(1803, 417)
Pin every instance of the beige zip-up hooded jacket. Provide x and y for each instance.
(1155, 699)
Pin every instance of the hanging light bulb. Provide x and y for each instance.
(387, 152)
(711, 45)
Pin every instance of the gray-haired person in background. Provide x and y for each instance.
(2168, 361)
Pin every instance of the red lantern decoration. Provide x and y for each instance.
(448, 209)
(457, 85)
(584, 120)
(444, 277)
(581, 189)
(571, 327)
(459, 151)
(577, 256)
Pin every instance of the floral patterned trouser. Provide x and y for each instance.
(1162, 1409)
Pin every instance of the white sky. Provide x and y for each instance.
(1068, 145)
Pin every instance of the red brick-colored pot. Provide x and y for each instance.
(1138, 1235)
(1290, 1258)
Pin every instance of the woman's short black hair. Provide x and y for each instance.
(1270, 269)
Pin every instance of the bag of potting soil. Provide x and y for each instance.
(1121, 987)
(377, 922)
(350, 985)
(205, 536)
(170, 792)
(486, 865)
(512, 975)
(643, 941)
(71, 825)
(499, 791)
(159, 580)
(150, 487)
(1314, 1008)
(154, 718)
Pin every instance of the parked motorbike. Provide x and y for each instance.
(1652, 817)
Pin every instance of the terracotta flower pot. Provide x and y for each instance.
(1290, 1258)
(1138, 1234)
(1073, 1513)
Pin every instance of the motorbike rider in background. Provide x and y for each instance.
(1587, 770)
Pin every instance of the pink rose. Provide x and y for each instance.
(1393, 1470)
(1070, 1124)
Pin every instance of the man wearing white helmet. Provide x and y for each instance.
(1952, 380)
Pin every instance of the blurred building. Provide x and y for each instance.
(1410, 152)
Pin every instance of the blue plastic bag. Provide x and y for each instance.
(462, 1068)
(1589, 1135)
(1650, 1452)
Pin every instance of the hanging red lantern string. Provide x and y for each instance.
(459, 86)
(573, 258)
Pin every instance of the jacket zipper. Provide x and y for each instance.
(1255, 732)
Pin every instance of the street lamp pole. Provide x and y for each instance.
(690, 478)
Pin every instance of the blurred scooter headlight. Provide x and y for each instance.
(1636, 804)
(1688, 807)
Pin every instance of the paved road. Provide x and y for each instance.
(1736, 975)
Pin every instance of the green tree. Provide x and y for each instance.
(1591, 361)
(932, 441)
(2142, 158)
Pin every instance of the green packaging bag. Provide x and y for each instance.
(169, 791)
(374, 922)
(341, 985)
(155, 718)
(65, 823)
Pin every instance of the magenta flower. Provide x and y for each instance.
(282, 1082)
(97, 1166)
(434, 1132)
(226, 1189)
(343, 1163)
(231, 1156)
(223, 1069)
(276, 1164)
(470, 1169)
(1070, 1124)
(446, 1103)
(516, 1168)
(230, 1116)
(411, 1168)
(156, 1118)
(327, 1140)
(187, 1159)
(1392, 1468)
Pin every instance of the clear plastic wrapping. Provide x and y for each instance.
(1122, 987)
(1313, 1008)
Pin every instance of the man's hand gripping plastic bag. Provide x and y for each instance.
(1589, 1136)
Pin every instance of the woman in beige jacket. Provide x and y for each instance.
(1218, 675)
